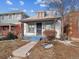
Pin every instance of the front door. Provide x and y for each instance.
(39, 28)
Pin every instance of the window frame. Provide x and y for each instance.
(49, 25)
(31, 28)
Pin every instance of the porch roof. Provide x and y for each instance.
(6, 24)
(37, 19)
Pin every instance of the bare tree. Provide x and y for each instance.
(58, 5)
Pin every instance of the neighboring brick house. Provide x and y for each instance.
(9, 22)
(73, 20)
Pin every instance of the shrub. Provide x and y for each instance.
(50, 34)
(11, 36)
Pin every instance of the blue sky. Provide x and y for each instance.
(28, 6)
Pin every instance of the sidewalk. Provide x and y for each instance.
(75, 39)
(21, 52)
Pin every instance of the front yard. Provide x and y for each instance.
(60, 50)
(7, 46)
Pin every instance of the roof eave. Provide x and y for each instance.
(39, 19)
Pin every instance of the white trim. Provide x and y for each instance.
(26, 33)
(43, 24)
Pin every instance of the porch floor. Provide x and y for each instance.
(33, 38)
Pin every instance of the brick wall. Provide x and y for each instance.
(73, 20)
(14, 29)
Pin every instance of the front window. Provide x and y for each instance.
(31, 28)
(10, 16)
(49, 25)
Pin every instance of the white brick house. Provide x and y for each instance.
(35, 25)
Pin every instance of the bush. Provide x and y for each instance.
(11, 36)
(50, 34)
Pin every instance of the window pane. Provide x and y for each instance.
(31, 28)
(49, 25)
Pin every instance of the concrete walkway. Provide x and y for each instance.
(21, 52)
(75, 39)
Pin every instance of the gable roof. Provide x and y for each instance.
(14, 12)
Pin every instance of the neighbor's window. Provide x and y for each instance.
(31, 28)
(3, 17)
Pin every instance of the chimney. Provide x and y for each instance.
(41, 14)
(49, 13)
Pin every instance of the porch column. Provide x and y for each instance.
(9, 28)
(22, 30)
(54, 24)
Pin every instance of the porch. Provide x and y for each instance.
(5, 28)
(36, 27)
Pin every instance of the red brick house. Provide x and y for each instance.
(73, 20)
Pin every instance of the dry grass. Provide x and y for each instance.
(6, 47)
(59, 51)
